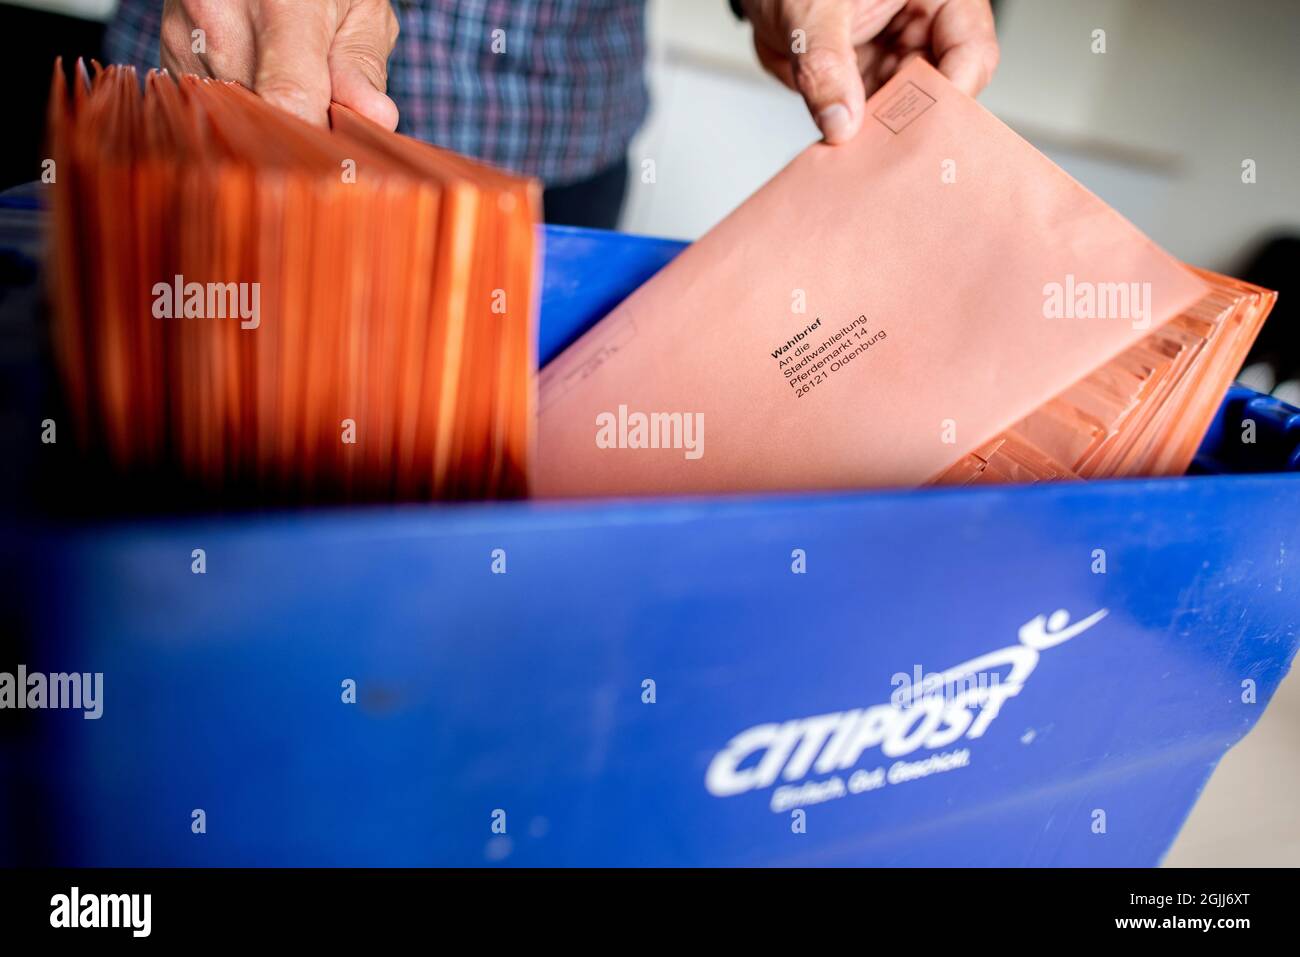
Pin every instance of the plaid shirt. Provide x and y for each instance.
(561, 102)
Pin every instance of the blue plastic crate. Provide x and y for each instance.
(522, 697)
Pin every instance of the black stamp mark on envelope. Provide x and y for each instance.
(904, 107)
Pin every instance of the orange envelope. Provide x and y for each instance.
(875, 312)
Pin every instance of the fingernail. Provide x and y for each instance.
(835, 121)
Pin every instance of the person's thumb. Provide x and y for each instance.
(358, 61)
(826, 69)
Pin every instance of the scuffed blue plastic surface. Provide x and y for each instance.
(588, 273)
(1271, 426)
(524, 692)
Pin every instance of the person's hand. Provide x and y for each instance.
(848, 48)
(297, 54)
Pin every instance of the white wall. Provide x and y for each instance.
(86, 9)
(718, 128)
(1205, 82)
(1158, 125)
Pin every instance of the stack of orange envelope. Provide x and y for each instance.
(245, 302)
(934, 302)
(1144, 412)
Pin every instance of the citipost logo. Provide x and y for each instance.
(940, 714)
